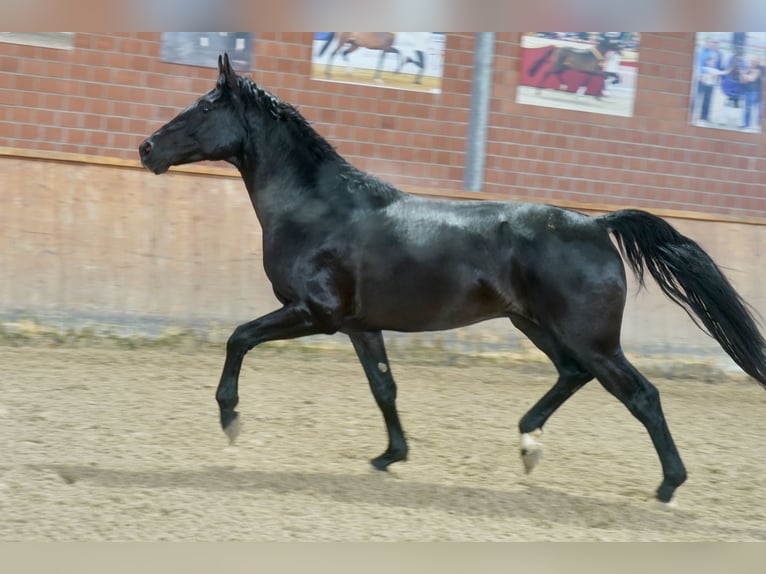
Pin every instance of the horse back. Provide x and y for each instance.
(427, 265)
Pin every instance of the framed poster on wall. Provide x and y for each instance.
(57, 40)
(727, 80)
(585, 71)
(399, 60)
(203, 48)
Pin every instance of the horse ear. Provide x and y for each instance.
(227, 76)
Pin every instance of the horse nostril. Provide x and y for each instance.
(146, 147)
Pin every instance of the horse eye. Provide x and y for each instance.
(205, 107)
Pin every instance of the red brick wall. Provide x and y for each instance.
(109, 92)
(123, 251)
(654, 159)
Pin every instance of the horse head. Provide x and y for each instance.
(212, 128)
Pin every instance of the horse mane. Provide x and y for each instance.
(317, 147)
(270, 104)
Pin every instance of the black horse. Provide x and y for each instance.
(587, 61)
(346, 252)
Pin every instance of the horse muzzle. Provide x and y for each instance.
(148, 157)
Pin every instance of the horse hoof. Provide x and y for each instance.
(386, 459)
(232, 430)
(668, 506)
(378, 469)
(531, 449)
(385, 473)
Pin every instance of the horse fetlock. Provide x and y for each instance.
(389, 457)
(531, 449)
(668, 487)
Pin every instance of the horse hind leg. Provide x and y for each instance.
(577, 366)
(571, 378)
(371, 351)
(619, 377)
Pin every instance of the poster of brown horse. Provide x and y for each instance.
(584, 71)
(400, 60)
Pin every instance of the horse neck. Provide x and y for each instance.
(292, 172)
(282, 191)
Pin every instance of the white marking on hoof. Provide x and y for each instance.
(531, 449)
(382, 367)
(665, 506)
(232, 431)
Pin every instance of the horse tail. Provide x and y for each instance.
(539, 62)
(327, 43)
(688, 276)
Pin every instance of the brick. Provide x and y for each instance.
(113, 89)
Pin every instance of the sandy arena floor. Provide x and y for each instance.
(124, 444)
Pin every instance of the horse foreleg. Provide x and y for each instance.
(288, 322)
(371, 351)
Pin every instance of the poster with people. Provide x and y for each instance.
(400, 60)
(727, 82)
(584, 71)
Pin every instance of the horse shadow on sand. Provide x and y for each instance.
(535, 503)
